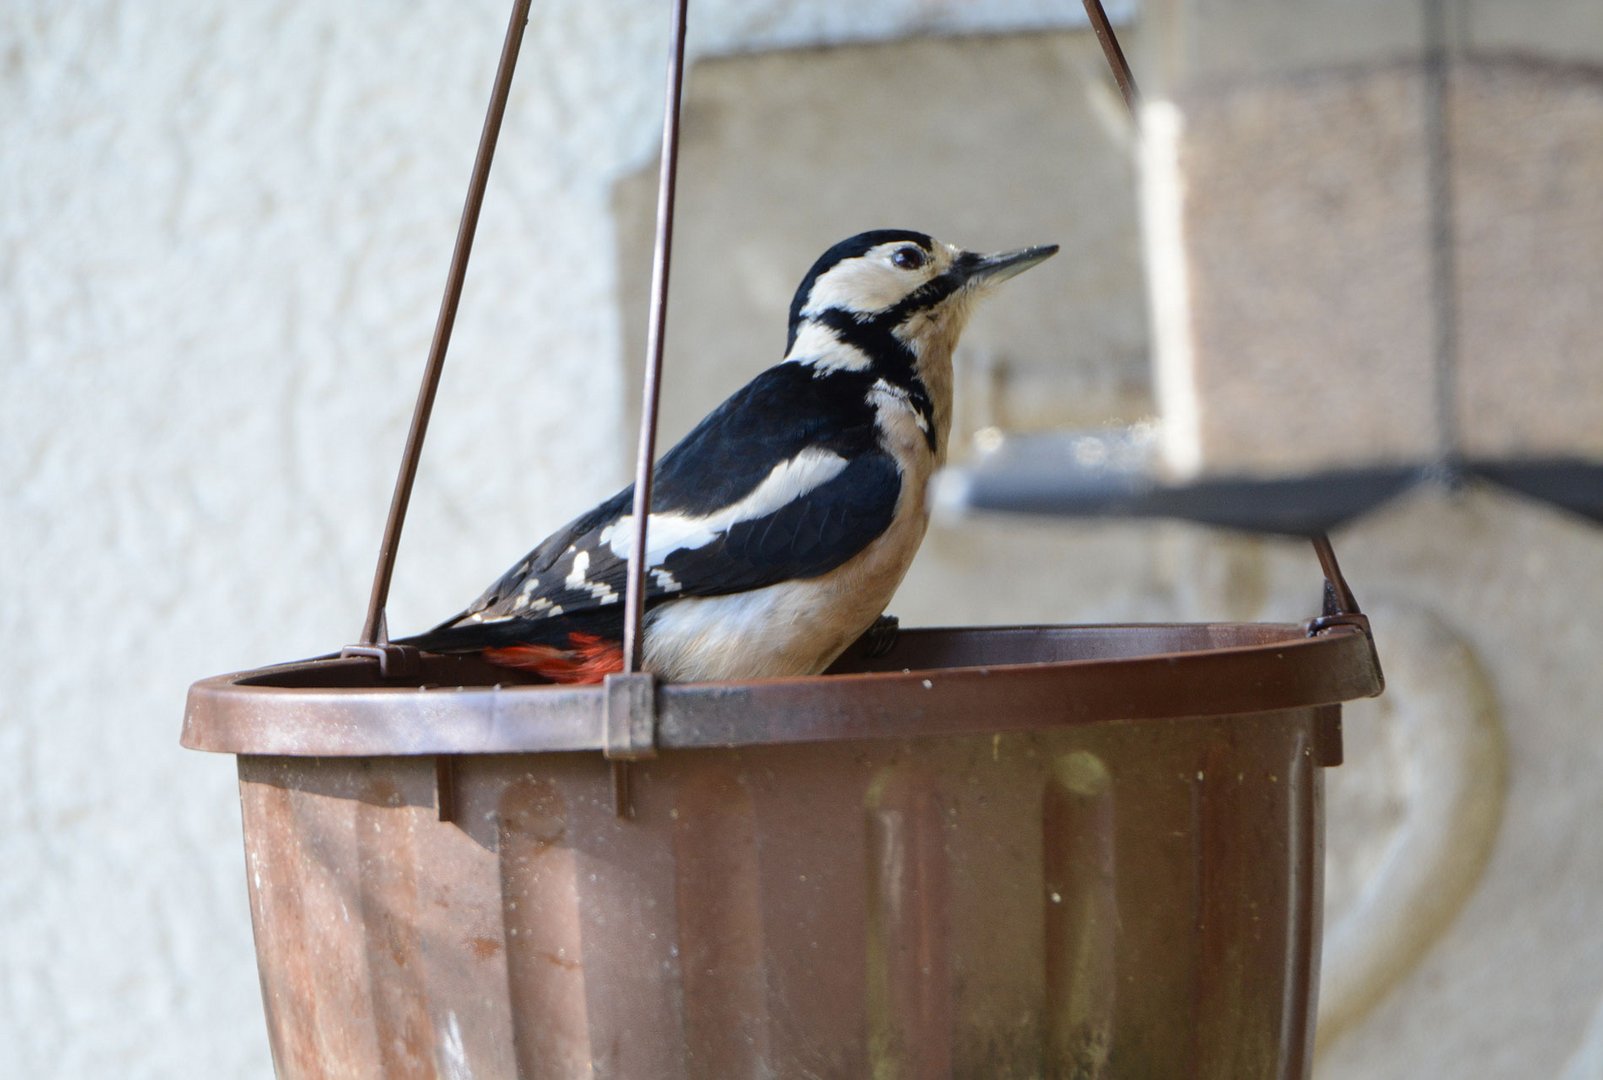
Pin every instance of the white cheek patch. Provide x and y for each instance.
(788, 481)
(869, 283)
(858, 286)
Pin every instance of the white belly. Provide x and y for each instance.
(800, 627)
(794, 628)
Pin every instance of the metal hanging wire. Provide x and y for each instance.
(1110, 49)
(633, 700)
(374, 640)
(650, 393)
(375, 634)
(1340, 604)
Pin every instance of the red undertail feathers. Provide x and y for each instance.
(587, 659)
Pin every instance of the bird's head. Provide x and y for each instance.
(894, 298)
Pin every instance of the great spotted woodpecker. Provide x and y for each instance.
(781, 525)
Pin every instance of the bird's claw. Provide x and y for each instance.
(880, 638)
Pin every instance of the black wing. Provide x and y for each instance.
(785, 414)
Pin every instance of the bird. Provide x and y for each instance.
(781, 525)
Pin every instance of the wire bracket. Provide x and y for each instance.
(394, 661)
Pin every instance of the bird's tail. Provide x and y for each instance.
(552, 648)
(468, 637)
(587, 659)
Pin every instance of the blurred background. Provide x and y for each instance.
(1352, 243)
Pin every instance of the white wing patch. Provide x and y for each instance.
(787, 482)
(576, 580)
(667, 533)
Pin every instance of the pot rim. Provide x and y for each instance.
(1228, 669)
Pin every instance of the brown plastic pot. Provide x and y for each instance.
(1003, 852)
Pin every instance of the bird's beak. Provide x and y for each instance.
(994, 269)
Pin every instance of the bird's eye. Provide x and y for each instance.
(908, 258)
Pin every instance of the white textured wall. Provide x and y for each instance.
(223, 229)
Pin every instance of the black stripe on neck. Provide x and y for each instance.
(890, 359)
(926, 296)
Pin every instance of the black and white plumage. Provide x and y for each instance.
(781, 525)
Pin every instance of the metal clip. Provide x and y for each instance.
(1319, 624)
(628, 730)
(394, 661)
(629, 723)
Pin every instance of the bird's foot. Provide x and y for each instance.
(880, 638)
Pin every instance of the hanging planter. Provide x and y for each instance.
(1036, 850)
(997, 852)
